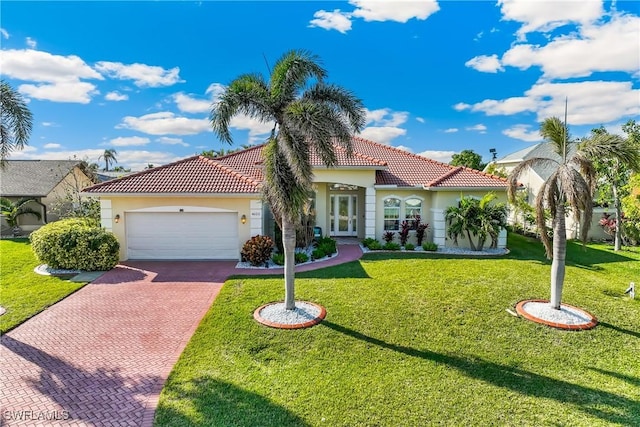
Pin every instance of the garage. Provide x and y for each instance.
(182, 235)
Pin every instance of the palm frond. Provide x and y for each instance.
(541, 221)
(291, 73)
(16, 118)
(343, 101)
(578, 195)
(605, 145)
(514, 175)
(554, 131)
(248, 94)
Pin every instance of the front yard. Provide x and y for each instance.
(22, 292)
(418, 340)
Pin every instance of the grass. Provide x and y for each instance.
(417, 340)
(22, 292)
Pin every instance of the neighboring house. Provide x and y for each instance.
(533, 178)
(203, 208)
(48, 182)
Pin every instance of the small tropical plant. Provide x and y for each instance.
(11, 211)
(374, 246)
(387, 236)
(257, 250)
(318, 253)
(421, 229)
(404, 232)
(429, 246)
(278, 258)
(476, 219)
(391, 246)
(409, 247)
(328, 245)
(301, 257)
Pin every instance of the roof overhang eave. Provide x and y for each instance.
(183, 195)
(436, 188)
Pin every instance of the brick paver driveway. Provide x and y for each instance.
(101, 356)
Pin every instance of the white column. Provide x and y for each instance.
(439, 227)
(106, 215)
(255, 217)
(370, 212)
(502, 239)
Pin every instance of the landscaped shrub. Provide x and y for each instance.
(318, 253)
(404, 232)
(278, 258)
(391, 246)
(409, 247)
(429, 246)
(75, 244)
(387, 236)
(328, 245)
(421, 228)
(257, 250)
(375, 246)
(366, 242)
(301, 257)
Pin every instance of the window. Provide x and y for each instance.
(413, 212)
(391, 214)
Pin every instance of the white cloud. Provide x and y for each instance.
(404, 148)
(382, 134)
(523, 133)
(382, 10)
(51, 145)
(215, 90)
(142, 75)
(460, 106)
(485, 64)
(257, 129)
(451, 130)
(164, 123)
(39, 66)
(188, 104)
(335, 20)
(386, 117)
(544, 16)
(47, 124)
(31, 43)
(171, 141)
(73, 91)
(116, 96)
(612, 46)
(477, 128)
(440, 156)
(590, 102)
(4, 33)
(129, 141)
(420, 119)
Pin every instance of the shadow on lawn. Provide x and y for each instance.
(602, 404)
(218, 403)
(622, 330)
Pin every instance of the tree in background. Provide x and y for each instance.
(468, 158)
(16, 121)
(631, 209)
(109, 157)
(571, 185)
(493, 169)
(308, 115)
(11, 211)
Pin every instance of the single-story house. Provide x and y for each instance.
(533, 178)
(204, 208)
(48, 182)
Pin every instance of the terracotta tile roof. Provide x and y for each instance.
(193, 175)
(241, 172)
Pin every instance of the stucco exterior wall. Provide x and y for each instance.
(112, 206)
(427, 198)
(72, 184)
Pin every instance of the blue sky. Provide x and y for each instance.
(436, 77)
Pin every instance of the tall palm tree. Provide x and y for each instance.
(308, 115)
(571, 184)
(11, 211)
(16, 121)
(109, 157)
(478, 218)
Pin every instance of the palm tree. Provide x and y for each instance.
(308, 115)
(15, 121)
(109, 157)
(11, 211)
(571, 185)
(476, 217)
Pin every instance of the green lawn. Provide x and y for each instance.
(416, 341)
(22, 292)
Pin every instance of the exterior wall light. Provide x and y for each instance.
(243, 219)
(117, 218)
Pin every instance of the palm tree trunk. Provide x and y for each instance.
(617, 239)
(471, 244)
(289, 245)
(559, 256)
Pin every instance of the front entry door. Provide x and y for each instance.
(344, 214)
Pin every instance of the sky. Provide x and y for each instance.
(436, 77)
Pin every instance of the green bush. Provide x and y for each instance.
(301, 257)
(368, 241)
(409, 247)
(391, 246)
(429, 246)
(75, 244)
(278, 258)
(375, 246)
(318, 254)
(257, 250)
(328, 245)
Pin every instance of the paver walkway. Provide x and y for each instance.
(101, 356)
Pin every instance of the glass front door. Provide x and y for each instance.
(344, 214)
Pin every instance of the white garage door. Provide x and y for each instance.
(182, 235)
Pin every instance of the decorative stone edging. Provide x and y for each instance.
(565, 326)
(322, 313)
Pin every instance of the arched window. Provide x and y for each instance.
(391, 214)
(413, 211)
